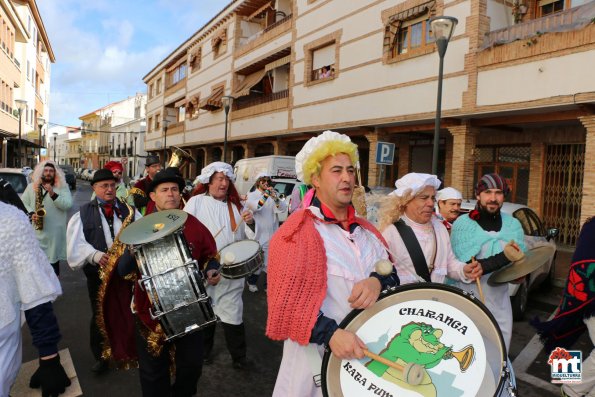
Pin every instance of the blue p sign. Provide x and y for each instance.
(385, 153)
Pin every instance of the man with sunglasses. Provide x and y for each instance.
(265, 204)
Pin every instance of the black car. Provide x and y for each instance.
(70, 176)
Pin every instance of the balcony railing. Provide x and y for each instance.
(249, 101)
(571, 19)
(275, 24)
(262, 36)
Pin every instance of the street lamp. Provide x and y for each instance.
(55, 137)
(442, 28)
(227, 101)
(21, 105)
(165, 124)
(40, 123)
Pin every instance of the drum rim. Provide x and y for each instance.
(356, 312)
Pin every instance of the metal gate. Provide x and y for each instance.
(563, 190)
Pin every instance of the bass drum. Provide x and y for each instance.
(446, 336)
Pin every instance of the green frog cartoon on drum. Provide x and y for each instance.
(417, 343)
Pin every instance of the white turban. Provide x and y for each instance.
(217, 166)
(337, 143)
(448, 193)
(414, 183)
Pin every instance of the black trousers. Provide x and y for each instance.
(93, 283)
(154, 371)
(235, 339)
(56, 266)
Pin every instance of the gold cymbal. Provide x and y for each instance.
(533, 260)
(153, 227)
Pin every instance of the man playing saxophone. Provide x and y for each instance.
(48, 199)
(91, 233)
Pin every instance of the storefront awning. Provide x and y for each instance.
(249, 81)
(213, 101)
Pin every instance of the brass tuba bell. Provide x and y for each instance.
(179, 158)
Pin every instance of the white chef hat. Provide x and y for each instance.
(217, 166)
(413, 183)
(329, 143)
(448, 193)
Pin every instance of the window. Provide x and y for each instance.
(157, 122)
(407, 31)
(181, 113)
(192, 107)
(548, 7)
(322, 59)
(195, 59)
(323, 62)
(158, 86)
(28, 70)
(151, 90)
(219, 43)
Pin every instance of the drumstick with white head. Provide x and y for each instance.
(413, 373)
(478, 282)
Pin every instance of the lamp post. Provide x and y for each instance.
(40, 123)
(227, 101)
(165, 124)
(21, 105)
(55, 137)
(442, 28)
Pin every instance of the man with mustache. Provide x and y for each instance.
(50, 188)
(484, 234)
(321, 266)
(448, 201)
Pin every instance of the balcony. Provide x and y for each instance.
(564, 21)
(270, 32)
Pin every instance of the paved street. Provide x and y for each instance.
(219, 379)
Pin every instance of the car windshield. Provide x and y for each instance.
(283, 188)
(18, 181)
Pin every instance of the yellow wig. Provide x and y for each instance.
(312, 165)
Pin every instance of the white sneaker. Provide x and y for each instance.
(252, 288)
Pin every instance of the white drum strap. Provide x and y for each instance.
(315, 362)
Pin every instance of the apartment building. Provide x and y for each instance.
(111, 133)
(25, 60)
(518, 96)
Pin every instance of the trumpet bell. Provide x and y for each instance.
(465, 357)
(179, 158)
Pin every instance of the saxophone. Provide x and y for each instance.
(117, 248)
(39, 210)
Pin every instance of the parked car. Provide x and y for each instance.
(70, 176)
(535, 235)
(87, 174)
(16, 177)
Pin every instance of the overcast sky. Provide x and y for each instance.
(103, 48)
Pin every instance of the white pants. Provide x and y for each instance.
(587, 386)
(10, 355)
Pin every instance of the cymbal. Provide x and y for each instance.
(153, 227)
(533, 260)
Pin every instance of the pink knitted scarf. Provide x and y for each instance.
(297, 276)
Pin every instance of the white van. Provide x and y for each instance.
(246, 170)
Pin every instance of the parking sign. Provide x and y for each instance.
(385, 153)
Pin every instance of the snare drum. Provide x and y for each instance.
(174, 284)
(448, 333)
(245, 257)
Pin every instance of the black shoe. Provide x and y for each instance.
(241, 364)
(100, 366)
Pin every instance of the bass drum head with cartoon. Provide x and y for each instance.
(449, 334)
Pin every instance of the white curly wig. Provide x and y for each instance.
(59, 180)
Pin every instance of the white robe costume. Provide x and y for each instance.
(266, 218)
(433, 238)
(214, 214)
(26, 281)
(350, 258)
